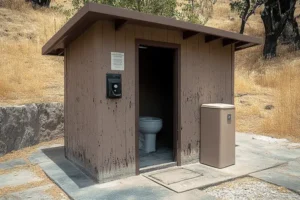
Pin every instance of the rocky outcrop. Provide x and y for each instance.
(27, 125)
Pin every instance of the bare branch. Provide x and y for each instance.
(252, 11)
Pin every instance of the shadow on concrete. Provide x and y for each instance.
(62, 169)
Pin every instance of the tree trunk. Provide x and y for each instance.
(244, 20)
(274, 23)
(290, 34)
(270, 46)
(139, 5)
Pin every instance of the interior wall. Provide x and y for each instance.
(156, 89)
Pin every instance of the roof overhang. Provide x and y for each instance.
(93, 12)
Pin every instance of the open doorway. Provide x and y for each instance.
(157, 106)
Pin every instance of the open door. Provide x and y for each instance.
(158, 99)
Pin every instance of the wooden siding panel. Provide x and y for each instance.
(184, 112)
(219, 64)
(120, 111)
(109, 108)
(174, 36)
(65, 101)
(232, 72)
(190, 103)
(204, 66)
(78, 89)
(160, 35)
(99, 96)
(141, 32)
(124, 105)
(228, 73)
(130, 106)
(90, 155)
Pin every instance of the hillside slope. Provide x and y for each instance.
(267, 92)
(26, 75)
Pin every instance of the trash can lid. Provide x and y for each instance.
(218, 105)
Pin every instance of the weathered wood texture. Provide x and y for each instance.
(100, 133)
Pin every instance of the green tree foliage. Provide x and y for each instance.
(245, 8)
(157, 7)
(195, 11)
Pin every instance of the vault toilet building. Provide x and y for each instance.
(121, 65)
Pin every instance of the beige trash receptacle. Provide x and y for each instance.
(217, 135)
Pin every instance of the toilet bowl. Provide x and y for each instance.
(149, 127)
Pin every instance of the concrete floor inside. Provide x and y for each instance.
(161, 156)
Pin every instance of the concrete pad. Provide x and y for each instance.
(18, 178)
(175, 175)
(280, 149)
(136, 188)
(207, 176)
(248, 162)
(37, 193)
(252, 155)
(79, 186)
(63, 172)
(56, 152)
(12, 163)
(287, 175)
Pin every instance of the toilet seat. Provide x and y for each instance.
(150, 119)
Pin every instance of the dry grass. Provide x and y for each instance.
(260, 82)
(224, 19)
(285, 121)
(269, 82)
(14, 4)
(24, 153)
(27, 76)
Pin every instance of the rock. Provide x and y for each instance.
(27, 125)
(246, 103)
(51, 121)
(269, 107)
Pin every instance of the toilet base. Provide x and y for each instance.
(150, 143)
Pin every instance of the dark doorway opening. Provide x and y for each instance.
(157, 99)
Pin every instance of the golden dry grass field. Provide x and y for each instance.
(27, 76)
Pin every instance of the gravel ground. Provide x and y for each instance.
(250, 188)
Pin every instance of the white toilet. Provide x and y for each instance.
(149, 127)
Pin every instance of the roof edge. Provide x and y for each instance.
(52, 41)
(59, 40)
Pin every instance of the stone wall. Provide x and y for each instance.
(27, 125)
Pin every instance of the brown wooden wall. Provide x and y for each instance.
(100, 133)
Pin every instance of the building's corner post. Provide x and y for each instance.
(65, 103)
